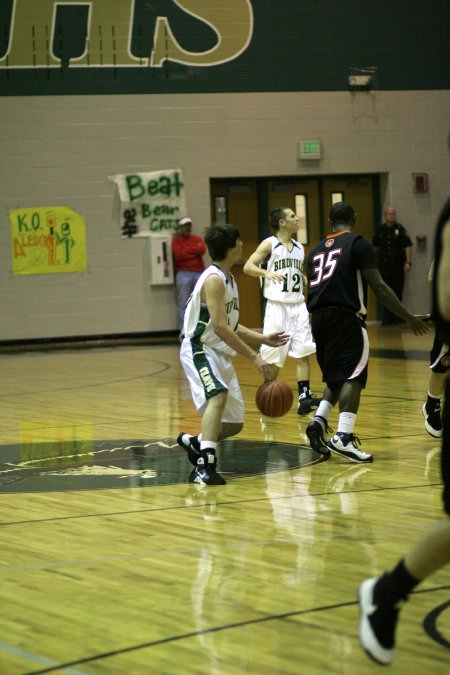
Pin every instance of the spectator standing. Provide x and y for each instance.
(188, 250)
(393, 248)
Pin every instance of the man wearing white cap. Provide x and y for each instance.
(188, 250)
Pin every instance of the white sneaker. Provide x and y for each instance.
(345, 445)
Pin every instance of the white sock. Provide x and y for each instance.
(346, 422)
(324, 409)
(437, 398)
(208, 445)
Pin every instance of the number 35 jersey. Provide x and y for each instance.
(334, 273)
(288, 263)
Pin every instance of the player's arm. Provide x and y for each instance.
(388, 298)
(255, 339)
(443, 275)
(252, 266)
(214, 296)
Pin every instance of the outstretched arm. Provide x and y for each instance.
(388, 298)
(214, 292)
(256, 339)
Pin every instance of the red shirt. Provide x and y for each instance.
(187, 252)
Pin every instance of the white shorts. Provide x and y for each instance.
(293, 319)
(208, 372)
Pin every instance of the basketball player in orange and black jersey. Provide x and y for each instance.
(338, 272)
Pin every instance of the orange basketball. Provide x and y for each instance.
(274, 398)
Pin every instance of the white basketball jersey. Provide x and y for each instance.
(290, 265)
(197, 322)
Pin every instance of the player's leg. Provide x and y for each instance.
(223, 417)
(307, 402)
(344, 442)
(322, 326)
(318, 427)
(205, 470)
(439, 366)
(210, 375)
(229, 429)
(274, 321)
(351, 354)
(301, 346)
(380, 599)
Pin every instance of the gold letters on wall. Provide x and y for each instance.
(109, 31)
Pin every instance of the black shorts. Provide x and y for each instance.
(439, 356)
(342, 346)
(445, 450)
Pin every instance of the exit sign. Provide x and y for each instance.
(309, 150)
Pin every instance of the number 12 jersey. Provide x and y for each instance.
(289, 263)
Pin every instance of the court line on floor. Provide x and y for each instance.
(108, 514)
(207, 631)
(16, 651)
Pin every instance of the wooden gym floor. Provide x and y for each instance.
(111, 562)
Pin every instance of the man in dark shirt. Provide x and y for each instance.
(338, 270)
(393, 248)
(380, 598)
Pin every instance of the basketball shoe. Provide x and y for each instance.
(307, 403)
(377, 624)
(345, 445)
(432, 415)
(315, 431)
(191, 445)
(205, 470)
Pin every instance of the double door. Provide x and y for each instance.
(247, 203)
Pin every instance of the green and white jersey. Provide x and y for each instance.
(290, 265)
(197, 322)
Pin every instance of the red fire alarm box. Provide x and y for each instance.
(420, 182)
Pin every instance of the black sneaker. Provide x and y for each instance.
(205, 470)
(377, 624)
(433, 422)
(346, 445)
(191, 445)
(307, 403)
(316, 435)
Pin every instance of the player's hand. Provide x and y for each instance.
(265, 369)
(276, 339)
(417, 326)
(273, 276)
